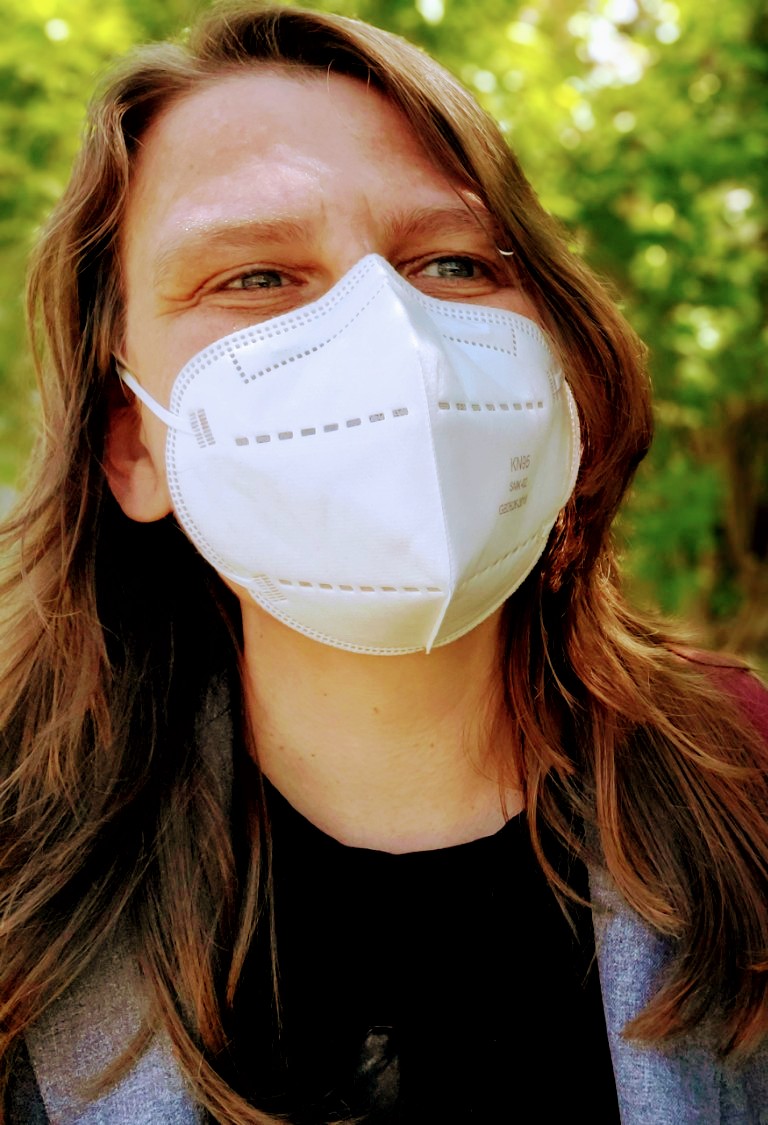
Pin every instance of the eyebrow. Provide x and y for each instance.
(424, 222)
(205, 237)
(431, 221)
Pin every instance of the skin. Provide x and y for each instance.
(252, 197)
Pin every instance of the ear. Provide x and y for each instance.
(133, 463)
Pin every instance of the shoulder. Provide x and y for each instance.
(83, 1034)
(683, 1082)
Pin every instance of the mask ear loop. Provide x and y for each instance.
(173, 421)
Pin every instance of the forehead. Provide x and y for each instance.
(259, 96)
(269, 138)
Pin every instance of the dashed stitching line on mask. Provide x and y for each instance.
(484, 316)
(380, 416)
(307, 351)
(540, 534)
(317, 347)
(299, 316)
(324, 343)
(327, 428)
(304, 584)
(259, 332)
(481, 316)
(491, 406)
(347, 588)
(480, 344)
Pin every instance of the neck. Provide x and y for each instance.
(384, 752)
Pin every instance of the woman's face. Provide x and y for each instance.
(254, 196)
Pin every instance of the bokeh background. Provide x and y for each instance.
(642, 124)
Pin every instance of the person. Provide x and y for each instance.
(331, 751)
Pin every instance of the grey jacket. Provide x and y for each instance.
(88, 1027)
(685, 1086)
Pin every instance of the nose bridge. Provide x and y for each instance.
(381, 275)
(349, 255)
(356, 233)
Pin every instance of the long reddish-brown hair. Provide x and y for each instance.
(110, 815)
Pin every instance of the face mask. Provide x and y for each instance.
(379, 469)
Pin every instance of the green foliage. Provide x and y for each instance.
(51, 55)
(642, 124)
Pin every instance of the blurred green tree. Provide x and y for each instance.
(642, 124)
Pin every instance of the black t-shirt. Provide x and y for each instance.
(440, 986)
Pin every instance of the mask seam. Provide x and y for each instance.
(436, 477)
(540, 538)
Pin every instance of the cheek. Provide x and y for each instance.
(513, 300)
(156, 349)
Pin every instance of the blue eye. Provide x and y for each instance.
(464, 269)
(257, 279)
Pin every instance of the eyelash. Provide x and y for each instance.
(486, 272)
(474, 262)
(243, 277)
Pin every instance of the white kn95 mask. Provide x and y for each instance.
(379, 469)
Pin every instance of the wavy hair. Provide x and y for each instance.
(109, 815)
